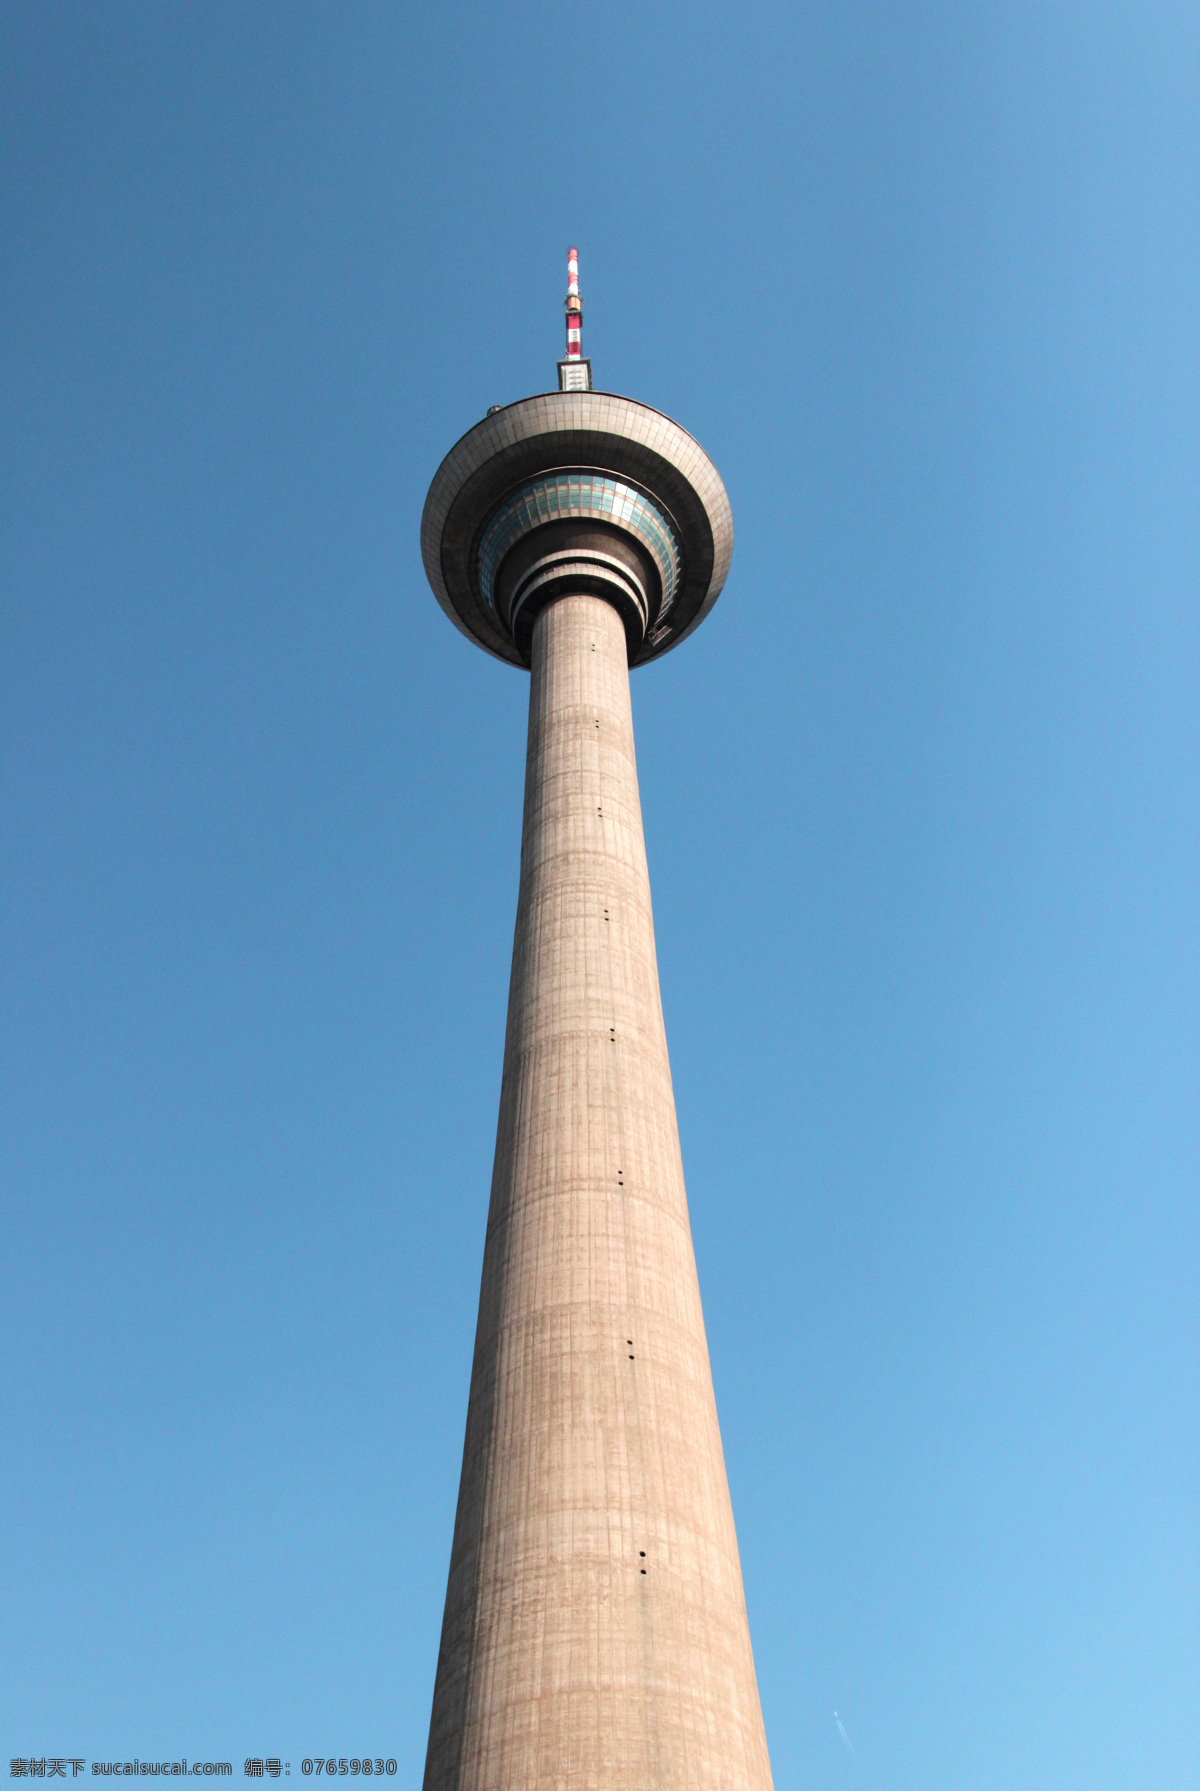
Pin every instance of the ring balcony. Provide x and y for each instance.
(580, 491)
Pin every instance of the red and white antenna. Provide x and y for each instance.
(574, 373)
(574, 307)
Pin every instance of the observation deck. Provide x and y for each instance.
(576, 491)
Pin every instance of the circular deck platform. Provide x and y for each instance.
(579, 490)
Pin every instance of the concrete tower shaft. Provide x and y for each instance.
(595, 1632)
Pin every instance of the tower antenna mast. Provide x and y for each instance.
(574, 373)
(574, 307)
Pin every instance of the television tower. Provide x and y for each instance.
(595, 1634)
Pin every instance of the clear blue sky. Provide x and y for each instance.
(920, 802)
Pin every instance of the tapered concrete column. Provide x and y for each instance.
(595, 1634)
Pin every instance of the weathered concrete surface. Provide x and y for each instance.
(595, 1634)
